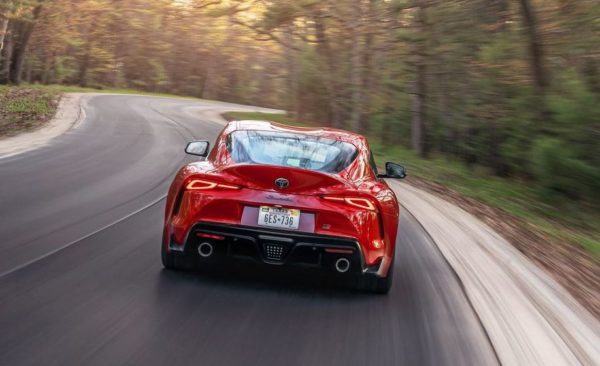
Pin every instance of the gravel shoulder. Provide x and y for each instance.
(575, 268)
(529, 317)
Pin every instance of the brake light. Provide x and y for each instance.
(210, 236)
(359, 202)
(199, 185)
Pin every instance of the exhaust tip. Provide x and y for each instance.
(205, 249)
(342, 265)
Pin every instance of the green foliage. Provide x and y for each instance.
(558, 170)
(279, 14)
(160, 77)
(399, 5)
(27, 105)
(576, 112)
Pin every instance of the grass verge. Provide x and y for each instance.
(272, 117)
(79, 89)
(24, 109)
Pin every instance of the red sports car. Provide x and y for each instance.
(285, 196)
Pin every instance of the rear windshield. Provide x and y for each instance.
(290, 149)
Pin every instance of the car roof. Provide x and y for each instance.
(326, 132)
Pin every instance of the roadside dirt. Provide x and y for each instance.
(68, 115)
(575, 269)
(24, 110)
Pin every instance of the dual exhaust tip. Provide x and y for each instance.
(342, 265)
(206, 249)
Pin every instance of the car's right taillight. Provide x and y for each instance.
(373, 222)
(359, 202)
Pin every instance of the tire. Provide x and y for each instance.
(169, 260)
(377, 285)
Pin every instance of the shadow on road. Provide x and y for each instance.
(265, 279)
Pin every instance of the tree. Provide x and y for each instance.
(3, 29)
(419, 91)
(476, 80)
(17, 19)
(536, 59)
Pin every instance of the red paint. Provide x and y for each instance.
(352, 203)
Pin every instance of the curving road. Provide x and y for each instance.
(81, 281)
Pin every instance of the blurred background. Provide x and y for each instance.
(498, 100)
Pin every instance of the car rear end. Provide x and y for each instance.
(282, 215)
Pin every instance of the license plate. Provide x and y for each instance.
(286, 218)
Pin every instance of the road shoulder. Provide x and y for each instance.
(68, 115)
(528, 316)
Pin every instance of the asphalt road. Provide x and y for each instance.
(81, 281)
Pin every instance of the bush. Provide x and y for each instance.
(558, 171)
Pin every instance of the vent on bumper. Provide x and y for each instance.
(275, 252)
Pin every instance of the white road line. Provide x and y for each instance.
(156, 201)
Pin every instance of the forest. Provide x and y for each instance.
(511, 86)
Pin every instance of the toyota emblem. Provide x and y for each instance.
(282, 183)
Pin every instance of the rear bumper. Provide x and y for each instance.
(276, 247)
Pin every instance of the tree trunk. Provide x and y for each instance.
(292, 69)
(356, 59)
(83, 69)
(439, 84)
(3, 30)
(418, 117)
(330, 62)
(6, 58)
(445, 118)
(536, 61)
(419, 94)
(368, 67)
(24, 31)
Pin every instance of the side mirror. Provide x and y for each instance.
(393, 170)
(199, 148)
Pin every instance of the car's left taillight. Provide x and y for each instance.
(203, 185)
